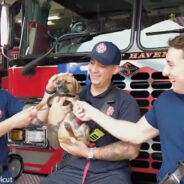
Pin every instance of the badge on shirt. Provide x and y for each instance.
(1, 113)
(110, 111)
(95, 135)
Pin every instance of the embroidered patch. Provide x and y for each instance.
(101, 48)
(1, 113)
(110, 111)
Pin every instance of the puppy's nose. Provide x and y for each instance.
(62, 88)
(66, 102)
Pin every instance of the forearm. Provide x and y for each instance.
(6, 126)
(117, 151)
(135, 133)
(42, 115)
(118, 128)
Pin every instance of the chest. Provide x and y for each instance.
(2, 110)
(170, 118)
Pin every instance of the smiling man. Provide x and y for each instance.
(109, 158)
(165, 118)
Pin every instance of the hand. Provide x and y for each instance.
(52, 83)
(58, 112)
(23, 118)
(83, 110)
(76, 148)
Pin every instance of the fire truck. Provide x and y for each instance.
(40, 38)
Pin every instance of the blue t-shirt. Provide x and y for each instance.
(9, 106)
(167, 115)
(125, 108)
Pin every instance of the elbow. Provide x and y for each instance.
(134, 155)
(135, 152)
(137, 141)
(134, 139)
(137, 138)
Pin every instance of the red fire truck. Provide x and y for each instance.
(51, 37)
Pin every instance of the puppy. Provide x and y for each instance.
(67, 86)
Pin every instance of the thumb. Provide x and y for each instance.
(73, 140)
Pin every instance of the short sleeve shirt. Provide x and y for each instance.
(9, 106)
(167, 115)
(125, 108)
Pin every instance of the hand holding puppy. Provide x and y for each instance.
(58, 111)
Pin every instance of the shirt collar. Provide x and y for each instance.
(102, 94)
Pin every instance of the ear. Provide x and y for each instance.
(77, 86)
(116, 69)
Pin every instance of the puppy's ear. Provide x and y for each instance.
(78, 87)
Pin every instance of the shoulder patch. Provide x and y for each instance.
(1, 113)
(110, 111)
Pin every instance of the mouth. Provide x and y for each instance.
(95, 77)
(172, 81)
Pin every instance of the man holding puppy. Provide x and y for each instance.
(164, 118)
(109, 156)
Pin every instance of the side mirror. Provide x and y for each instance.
(6, 26)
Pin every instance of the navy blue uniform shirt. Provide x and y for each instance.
(125, 108)
(167, 115)
(9, 106)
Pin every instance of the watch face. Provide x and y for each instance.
(91, 153)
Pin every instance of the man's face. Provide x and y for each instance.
(174, 69)
(100, 74)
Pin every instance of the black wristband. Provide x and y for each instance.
(49, 92)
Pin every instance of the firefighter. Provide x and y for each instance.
(165, 118)
(9, 106)
(111, 164)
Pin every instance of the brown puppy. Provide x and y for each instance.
(67, 86)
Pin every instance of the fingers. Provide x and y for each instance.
(78, 108)
(52, 83)
(55, 100)
(31, 112)
(59, 101)
(62, 100)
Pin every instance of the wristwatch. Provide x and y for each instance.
(91, 153)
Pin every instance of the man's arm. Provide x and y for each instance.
(117, 151)
(135, 133)
(19, 120)
(51, 88)
(43, 113)
(112, 152)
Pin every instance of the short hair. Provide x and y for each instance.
(177, 42)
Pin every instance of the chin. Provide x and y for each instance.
(178, 91)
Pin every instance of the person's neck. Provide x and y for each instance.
(95, 90)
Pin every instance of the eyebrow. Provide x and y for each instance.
(169, 62)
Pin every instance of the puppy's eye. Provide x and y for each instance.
(58, 82)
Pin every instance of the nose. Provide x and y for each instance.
(165, 71)
(93, 67)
